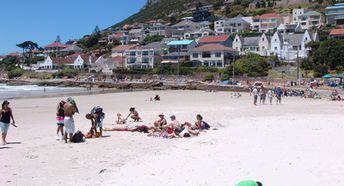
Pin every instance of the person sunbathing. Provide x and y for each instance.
(157, 98)
(133, 115)
(172, 129)
(158, 125)
(199, 124)
(187, 129)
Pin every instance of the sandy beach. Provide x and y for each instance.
(297, 143)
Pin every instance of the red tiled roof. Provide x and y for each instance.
(212, 47)
(337, 31)
(117, 35)
(124, 47)
(268, 16)
(56, 45)
(14, 54)
(117, 59)
(213, 39)
(61, 61)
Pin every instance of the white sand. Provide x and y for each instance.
(297, 143)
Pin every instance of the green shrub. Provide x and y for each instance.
(67, 72)
(225, 77)
(206, 69)
(209, 77)
(16, 72)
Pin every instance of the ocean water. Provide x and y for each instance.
(10, 92)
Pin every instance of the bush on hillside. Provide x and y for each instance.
(209, 77)
(67, 72)
(16, 72)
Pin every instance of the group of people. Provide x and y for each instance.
(263, 94)
(161, 128)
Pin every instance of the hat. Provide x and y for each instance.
(161, 114)
(5, 102)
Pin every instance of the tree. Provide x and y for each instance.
(58, 39)
(173, 19)
(227, 10)
(28, 47)
(325, 56)
(252, 65)
(96, 30)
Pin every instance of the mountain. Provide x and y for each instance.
(161, 9)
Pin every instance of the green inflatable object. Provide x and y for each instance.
(247, 183)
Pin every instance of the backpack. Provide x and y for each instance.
(78, 137)
(206, 126)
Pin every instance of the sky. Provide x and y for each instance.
(42, 20)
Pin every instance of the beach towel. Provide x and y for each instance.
(72, 101)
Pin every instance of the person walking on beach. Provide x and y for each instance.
(279, 93)
(60, 120)
(270, 96)
(255, 95)
(262, 97)
(5, 119)
(70, 109)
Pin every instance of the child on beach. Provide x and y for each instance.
(120, 120)
(133, 114)
(60, 120)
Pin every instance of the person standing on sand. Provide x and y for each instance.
(279, 93)
(70, 109)
(255, 95)
(60, 120)
(5, 119)
(270, 96)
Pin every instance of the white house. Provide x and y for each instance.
(259, 44)
(147, 56)
(213, 55)
(307, 19)
(76, 61)
(290, 47)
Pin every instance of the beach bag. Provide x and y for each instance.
(78, 137)
(206, 126)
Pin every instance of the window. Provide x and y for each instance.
(206, 55)
(218, 54)
(263, 39)
(275, 48)
(195, 55)
(219, 64)
(145, 53)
